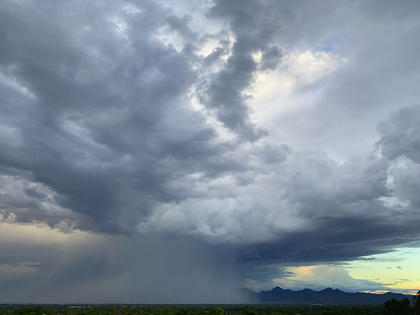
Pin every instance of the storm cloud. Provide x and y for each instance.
(281, 133)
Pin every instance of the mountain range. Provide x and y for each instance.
(327, 296)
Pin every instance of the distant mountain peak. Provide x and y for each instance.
(326, 296)
(277, 288)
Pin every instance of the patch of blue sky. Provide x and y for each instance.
(328, 45)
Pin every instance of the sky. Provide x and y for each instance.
(175, 151)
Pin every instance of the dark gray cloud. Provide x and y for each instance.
(400, 134)
(340, 240)
(98, 112)
(360, 207)
(399, 143)
(252, 24)
(367, 258)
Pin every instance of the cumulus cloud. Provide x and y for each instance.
(136, 118)
(252, 24)
(106, 122)
(400, 134)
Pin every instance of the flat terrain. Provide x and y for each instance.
(190, 309)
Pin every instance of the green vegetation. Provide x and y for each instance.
(416, 303)
(395, 307)
(391, 307)
(217, 310)
(264, 309)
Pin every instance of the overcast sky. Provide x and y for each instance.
(172, 151)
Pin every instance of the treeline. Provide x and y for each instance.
(403, 307)
(194, 310)
(391, 307)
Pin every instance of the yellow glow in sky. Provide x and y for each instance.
(398, 270)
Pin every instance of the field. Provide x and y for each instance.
(190, 309)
